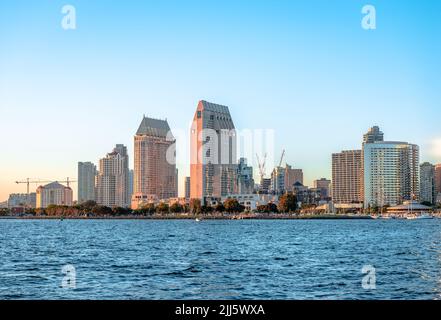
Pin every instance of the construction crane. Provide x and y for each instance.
(281, 158)
(28, 181)
(261, 166)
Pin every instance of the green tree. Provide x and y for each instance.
(101, 210)
(119, 211)
(146, 209)
(233, 206)
(220, 207)
(162, 208)
(195, 206)
(176, 208)
(287, 203)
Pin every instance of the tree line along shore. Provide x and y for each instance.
(230, 209)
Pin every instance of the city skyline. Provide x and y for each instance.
(286, 74)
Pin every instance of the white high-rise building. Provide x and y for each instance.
(113, 178)
(391, 173)
(278, 180)
(86, 182)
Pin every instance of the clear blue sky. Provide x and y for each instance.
(304, 68)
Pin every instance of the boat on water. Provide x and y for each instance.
(197, 220)
(425, 216)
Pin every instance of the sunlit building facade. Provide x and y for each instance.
(54, 194)
(347, 177)
(213, 167)
(391, 173)
(155, 174)
(112, 181)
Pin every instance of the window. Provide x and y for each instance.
(199, 114)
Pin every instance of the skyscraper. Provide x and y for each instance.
(113, 178)
(427, 183)
(245, 183)
(213, 167)
(292, 176)
(438, 179)
(155, 173)
(373, 135)
(391, 173)
(278, 180)
(86, 181)
(346, 177)
(187, 187)
(323, 185)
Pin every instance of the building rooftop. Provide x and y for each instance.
(54, 185)
(214, 107)
(153, 127)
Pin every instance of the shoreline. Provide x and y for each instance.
(193, 217)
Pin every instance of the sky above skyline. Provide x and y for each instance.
(306, 69)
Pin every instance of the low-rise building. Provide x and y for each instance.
(140, 199)
(17, 200)
(252, 201)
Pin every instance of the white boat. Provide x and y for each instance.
(424, 216)
(197, 220)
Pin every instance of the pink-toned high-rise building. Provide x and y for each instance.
(213, 166)
(155, 174)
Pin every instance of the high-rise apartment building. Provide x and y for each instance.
(438, 179)
(54, 194)
(278, 180)
(292, 176)
(373, 135)
(427, 183)
(131, 182)
(112, 181)
(155, 173)
(213, 168)
(391, 173)
(346, 176)
(283, 179)
(245, 183)
(187, 187)
(323, 185)
(86, 182)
